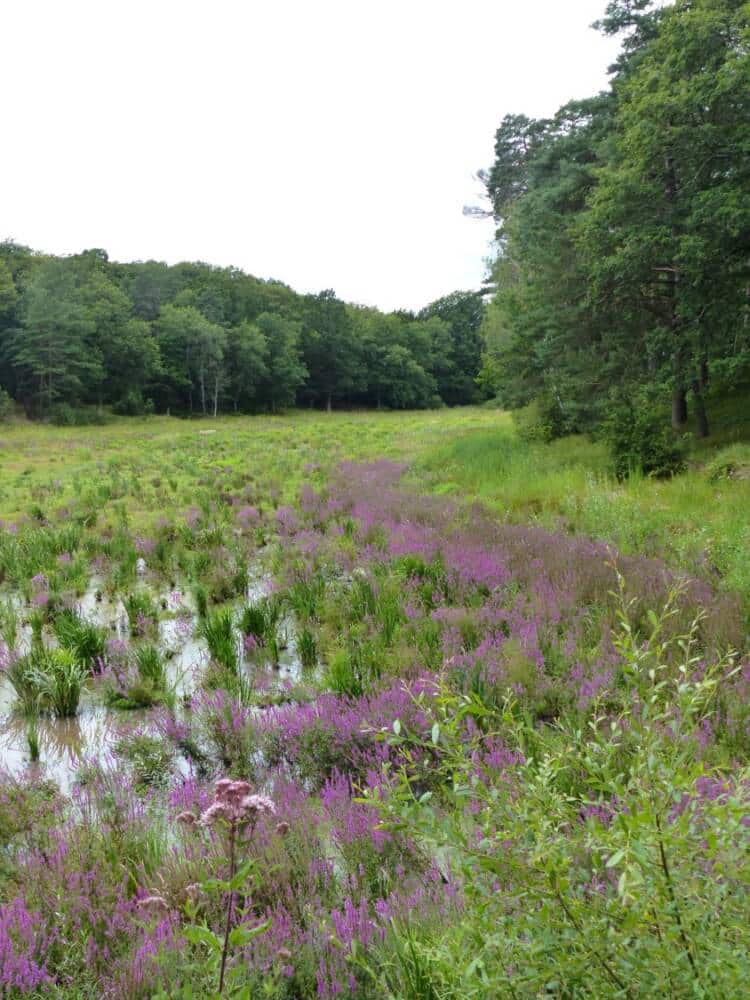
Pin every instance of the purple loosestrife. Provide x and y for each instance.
(23, 943)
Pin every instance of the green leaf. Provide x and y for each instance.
(202, 935)
(241, 876)
(616, 858)
(241, 936)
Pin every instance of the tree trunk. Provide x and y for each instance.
(679, 397)
(701, 418)
(216, 395)
(679, 407)
(328, 403)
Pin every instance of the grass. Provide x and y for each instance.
(144, 467)
(133, 471)
(47, 680)
(698, 520)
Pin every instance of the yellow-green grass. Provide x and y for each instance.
(699, 520)
(145, 468)
(141, 465)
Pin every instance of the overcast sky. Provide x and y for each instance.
(327, 143)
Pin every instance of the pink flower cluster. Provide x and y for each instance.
(234, 804)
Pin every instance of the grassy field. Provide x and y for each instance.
(285, 713)
(160, 461)
(699, 521)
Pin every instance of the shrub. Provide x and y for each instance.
(545, 419)
(732, 462)
(6, 405)
(640, 440)
(65, 415)
(133, 404)
(533, 425)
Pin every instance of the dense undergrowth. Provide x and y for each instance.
(513, 761)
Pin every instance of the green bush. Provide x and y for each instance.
(732, 462)
(133, 404)
(545, 419)
(65, 415)
(641, 441)
(6, 405)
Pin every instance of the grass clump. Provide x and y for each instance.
(86, 642)
(141, 611)
(141, 682)
(47, 681)
(218, 632)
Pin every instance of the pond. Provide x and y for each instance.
(67, 743)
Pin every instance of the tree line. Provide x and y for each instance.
(622, 273)
(84, 331)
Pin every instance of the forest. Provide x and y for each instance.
(80, 332)
(623, 268)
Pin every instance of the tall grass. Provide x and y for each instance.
(697, 520)
(62, 682)
(85, 641)
(218, 631)
(151, 667)
(47, 680)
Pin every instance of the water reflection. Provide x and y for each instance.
(65, 743)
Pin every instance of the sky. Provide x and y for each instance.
(325, 143)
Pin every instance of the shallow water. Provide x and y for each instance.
(65, 743)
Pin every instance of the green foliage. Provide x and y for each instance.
(86, 642)
(621, 248)
(47, 681)
(133, 404)
(22, 676)
(596, 900)
(307, 648)
(151, 667)
(731, 463)
(641, 442)
(82, 332)
(218, 631)
(6, 404)
(253, 622)
(61, 682)
(149, 757)
(342, 676)
(141, 611)
(544, 419)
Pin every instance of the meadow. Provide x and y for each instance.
(369, 705)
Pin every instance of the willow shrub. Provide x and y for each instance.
(604, 857)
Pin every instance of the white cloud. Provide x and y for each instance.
(328, 144)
